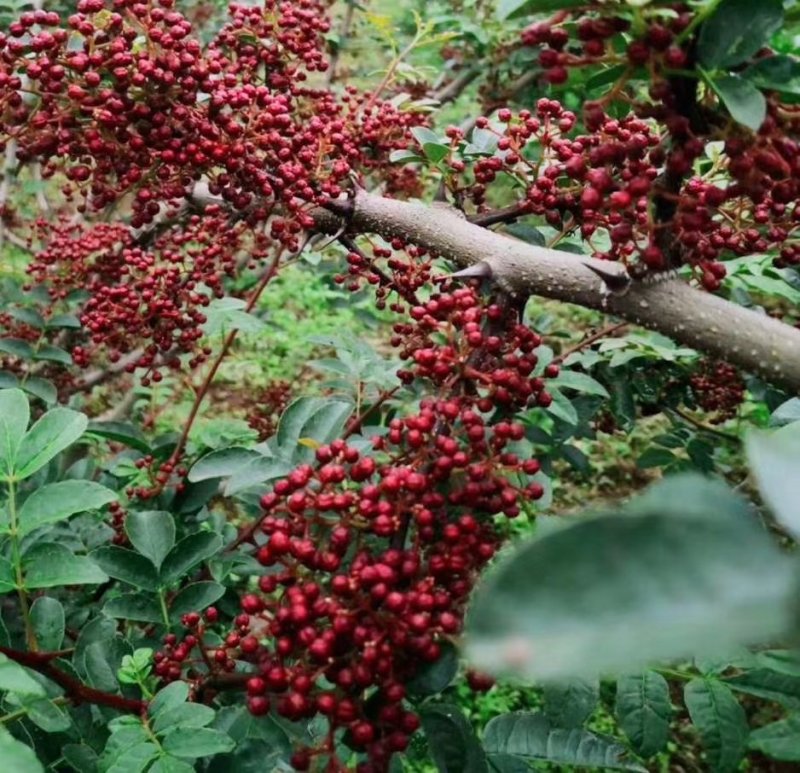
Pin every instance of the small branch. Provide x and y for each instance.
(704, 427)
(454, 88)
(504, 215)
(344, 34)
(709, 323)
(589, 340)
(76, 691)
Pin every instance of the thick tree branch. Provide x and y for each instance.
(706, 322)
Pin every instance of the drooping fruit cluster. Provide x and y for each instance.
(718, 388)
(269, 405)
(371, 554)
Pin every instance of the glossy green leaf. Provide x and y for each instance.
(14, 418)
(720, 720)
(566, 604)
(58, 501)
(152, 533)
(51, 353)
(643, 711)
(52, 433)
(434, 677)
(16, 347)
(127, 565)
(14, 678)
(510, 9)
(42, 388)
(120, 432)
(569, 703)
(222, 463)
(195, 598)
(200, 742)
(189, 552)
(8, 580)
(134, 606)
(170, 764)
(655, 457)
(531, 736)
(746, 104)
(16, 756)
(736, 30)
(778, 740)
(776, 73)
(47, 620)
(184, 715)
(168, 697)
(768, 684)
(580, 382)
(311, 421)
(452, 743)
(49, 565)
(48, 716)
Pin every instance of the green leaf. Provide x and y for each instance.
(569, 704)
(48, 716)
(226, 314)
(170, 764)
(746, 104)
(766, 683)
(311, 418)
(655, 457)
(510, 9)
(721, 721)
(14, 678)
(82, 758)
(135, 759)
(254, 473)
(775, 73)
(52, 353)
(49, 565)
(58, 501)
(120, 432)
(56, 430)
(774, 459)
(580, 382)
(184, 715)
(195, 598)
(451, 741)
(566, 603)
(403, 156)
(736, 30)
(189, 552)
(167, 698)
(128, 566)
(16, 756)
(42, 388)
(563, 408)
(16, 347)
(434, 148)
(778, 740)
(434, 677)
(222, 463)
(530, 735)
(643, 711)
(14, 418)
(134, 606)
(47, 619)
(201, 742)
(8, 580)
(152, 533)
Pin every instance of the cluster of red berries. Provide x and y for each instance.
(145, 298)
(718, 388)
(270, 404)
(370, 555)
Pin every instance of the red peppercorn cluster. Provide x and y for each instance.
(269, 405)
(718, 388)
(371, 554)
(149, 298)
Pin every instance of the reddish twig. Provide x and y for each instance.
(75, 690)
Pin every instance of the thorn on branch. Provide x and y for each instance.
(480, 270)
(616, 282)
